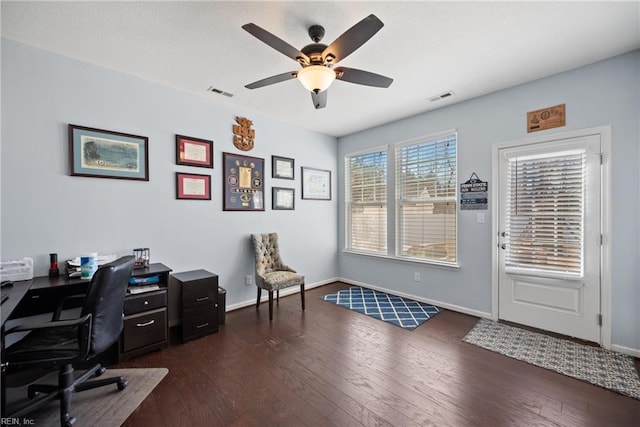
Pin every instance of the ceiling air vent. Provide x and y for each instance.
(440, 97)
(219, 92)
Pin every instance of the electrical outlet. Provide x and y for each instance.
(248, 280)
(416, 276)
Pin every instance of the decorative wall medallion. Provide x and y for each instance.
(243, 134)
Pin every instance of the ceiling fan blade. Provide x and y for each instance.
(276, 43)
(319, 99)
(352, 39)
(271, 80)
(361, 77)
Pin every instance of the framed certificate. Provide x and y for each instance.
(316, 184)
(193, 186)
(243, 183)
(282, 167)
(283, 198)
(194, 151)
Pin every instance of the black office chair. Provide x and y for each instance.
(60, 344)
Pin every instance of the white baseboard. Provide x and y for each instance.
(626, 350)
(437, 303)
(283, 293)
(294, 289)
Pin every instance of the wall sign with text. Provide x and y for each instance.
(474, 194)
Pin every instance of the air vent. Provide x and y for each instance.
(219, 92)
(440, 97)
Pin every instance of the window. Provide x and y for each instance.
(366, 202)
(545, 198)
(426, 206)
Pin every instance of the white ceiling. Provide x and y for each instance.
(469, 48)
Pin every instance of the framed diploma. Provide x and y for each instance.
(194, 151)
(316, 184)
(243, 183)
(193, 186)
(283, 198)
(282, 167)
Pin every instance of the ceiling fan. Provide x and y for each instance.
(318, 60)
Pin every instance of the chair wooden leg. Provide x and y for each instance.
(302, 295)
(270, 305)
(278, 297)
(258, 299)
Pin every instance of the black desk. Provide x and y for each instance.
(15, 293)
(145, 321)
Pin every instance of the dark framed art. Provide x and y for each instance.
(283, 198)
(193, 186)
(101, 153)
(243, 183)
(316, 184)
(282, 167)
(194, 151)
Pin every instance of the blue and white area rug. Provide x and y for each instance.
(595, 365)
(403, 312)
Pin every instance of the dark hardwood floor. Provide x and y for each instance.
(331, 366)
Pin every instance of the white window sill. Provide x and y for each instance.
(408, 260)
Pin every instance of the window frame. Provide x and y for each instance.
(349, 203)
(392, 210)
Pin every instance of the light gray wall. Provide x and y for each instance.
(45, 210)
(605, 93)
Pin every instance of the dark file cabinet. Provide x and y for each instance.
(146, 322)
(199, 303)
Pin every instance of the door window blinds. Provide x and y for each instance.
(426, 179)
(366, 179)
(545, 198)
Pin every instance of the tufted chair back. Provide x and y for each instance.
(271, 273)
(267, 253)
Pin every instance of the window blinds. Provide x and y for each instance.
(426, 179)
(545, 198)
(367, 202)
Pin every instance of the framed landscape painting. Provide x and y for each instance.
(101, 153)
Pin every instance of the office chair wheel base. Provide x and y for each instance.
(122, 384)
(100, 371)
(69, 423)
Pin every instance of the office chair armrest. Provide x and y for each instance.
(56, 324)
(60, 307)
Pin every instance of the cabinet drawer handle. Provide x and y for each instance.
(200, 299)
(146, 303)
(150, 322)
(204, 325)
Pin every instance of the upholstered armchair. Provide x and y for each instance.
(271, 273)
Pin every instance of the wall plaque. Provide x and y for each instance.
(474, 194)
(243, 135)
(546, 118)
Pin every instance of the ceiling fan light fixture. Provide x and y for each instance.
(316, 78)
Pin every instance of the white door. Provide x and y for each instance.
(549, 236)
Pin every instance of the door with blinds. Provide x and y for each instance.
(549, 236)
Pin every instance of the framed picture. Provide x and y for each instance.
(194, 151)
(283, 198)
(243, 183)
(193, 186)
(316, 184)
(105, 154)
(282, 167)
